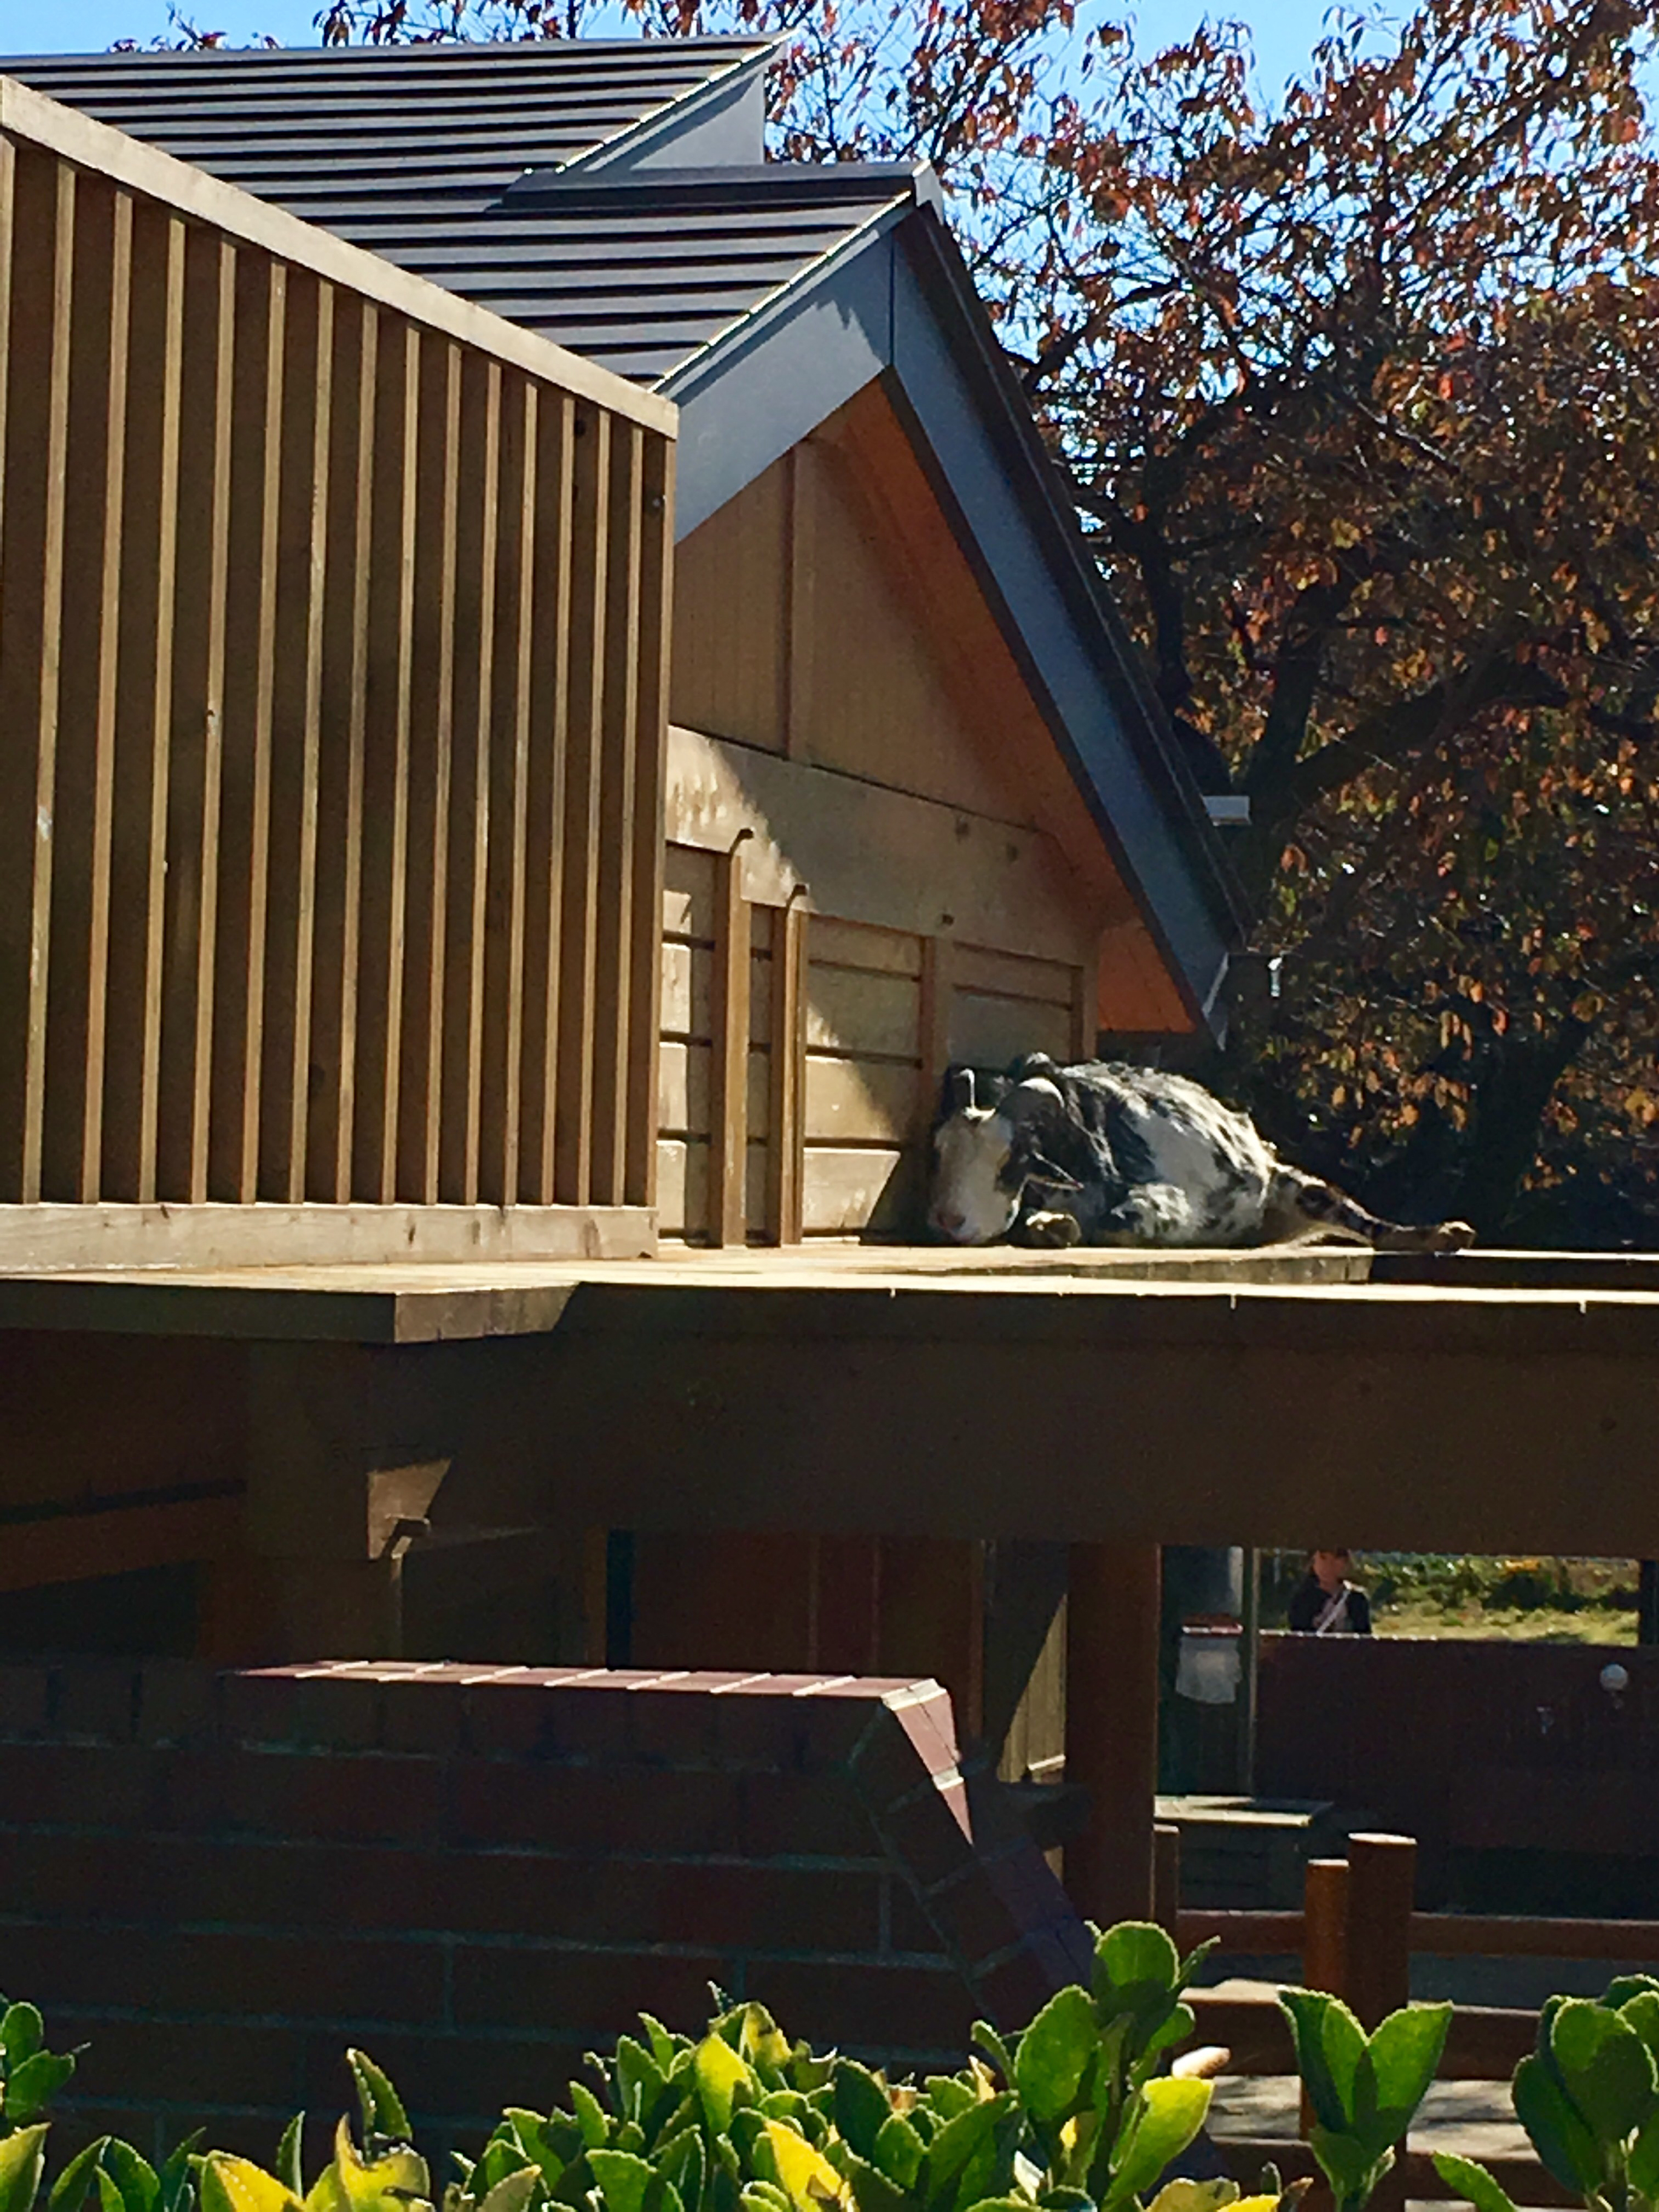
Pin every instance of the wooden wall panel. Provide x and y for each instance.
(729, 666)
(330, 809)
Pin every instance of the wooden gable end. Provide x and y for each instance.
(852, 742)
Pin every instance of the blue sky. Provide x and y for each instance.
(1284, 30)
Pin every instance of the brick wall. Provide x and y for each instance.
(217, 1881)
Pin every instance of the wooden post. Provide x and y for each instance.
(1111, 1725)
(1382, 1877)
(728, 1161)
(1324, 1939)
(1166, 1878)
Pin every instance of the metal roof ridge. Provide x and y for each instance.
(560, 181)
(471, 51)
(752, 57)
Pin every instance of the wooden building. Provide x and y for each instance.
(548, 688)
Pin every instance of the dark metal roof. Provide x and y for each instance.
(367, 132)
(454, 162)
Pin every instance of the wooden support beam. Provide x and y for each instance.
(1166, 1878)
(729, 1070)
(1111, 1725)
(785, 1158)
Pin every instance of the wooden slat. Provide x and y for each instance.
(77, 997)
(688, 897)
(555, 558)
(851, 1101)
(614, 969)
(651, 767)
(730, 1026)
(509, 798)
(857, 945)
(871, 1015)
(937, 1004)
(431, 771)
(250, 679)
(787, 1116)
(579, 920)
(296, 739)
(386, 736)
(801, 466)
(478, 532)
(195, 770)
(989, 1032)
(1009, 975)
(1085, 1006)
(338, 957)
(143, 706)
(685, 1079)
(42, 257)
(870, 1188)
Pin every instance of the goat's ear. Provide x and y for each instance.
(1044, 1171)
(959, 1090)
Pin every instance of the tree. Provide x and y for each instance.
(1360, 391)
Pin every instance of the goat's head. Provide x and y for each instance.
(985, 1156)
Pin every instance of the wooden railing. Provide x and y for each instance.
(333, 617)
(1355, 1936)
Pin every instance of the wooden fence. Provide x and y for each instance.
(1355, 1936)
(333, 616)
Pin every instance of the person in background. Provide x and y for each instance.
(1326, 1603)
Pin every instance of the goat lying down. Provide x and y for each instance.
(1104, 1154)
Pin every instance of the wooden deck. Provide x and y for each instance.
(1193, 1397)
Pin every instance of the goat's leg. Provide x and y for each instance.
(1300, 1205)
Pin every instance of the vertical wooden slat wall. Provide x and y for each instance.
(333, 700)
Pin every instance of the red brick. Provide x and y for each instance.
(76, 1784)
(971, 1917)
(338, 1711)
(908, 1928)
(461, 2079)
(886, 1764)
(97, 1701)
(819, 1815)
(925, 1836)
(385, 1796)
(759, 1724)
(177, 1702)
(278, 1884)
(422, 1713)
(508, 1710)
(580, 1994)
(261, 1705)
(562, 1807)
(95, 1875)
(25, 1694)
(908, 2007)
(151, 2061)
(589, 1720)
(927, 1717)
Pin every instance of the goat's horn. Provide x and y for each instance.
(961, 1090)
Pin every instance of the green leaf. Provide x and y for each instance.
(591, 2117)
(236, 2185)
(952, 2153)
(872, 2190)
(513, 2194)
(1182, 2195)
(1472, 2181)
(382, 2107)
(1329, 2041)
(1607, 2068)
(985, 2037)
(1169, 2113)
(665, 2047)
(861, 2106)
(21, 2157)
(1623, 1987)
(721, 2076)
(1135, 1964)
(899, 2150)
(135, 2180)
(1559, 2134)
(31, 2087)
(174, 2178)
(1641, 2166)
(289, 2170)
(1054, 2053)
(1641, 2012)
(69, 2191)
(629, 2183)
(1346, 2164)
(22, 2033)
(1395, 2068)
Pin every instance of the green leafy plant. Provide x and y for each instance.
(1365, 2090)
(1587, 2095)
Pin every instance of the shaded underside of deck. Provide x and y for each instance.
(1482, 1401)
